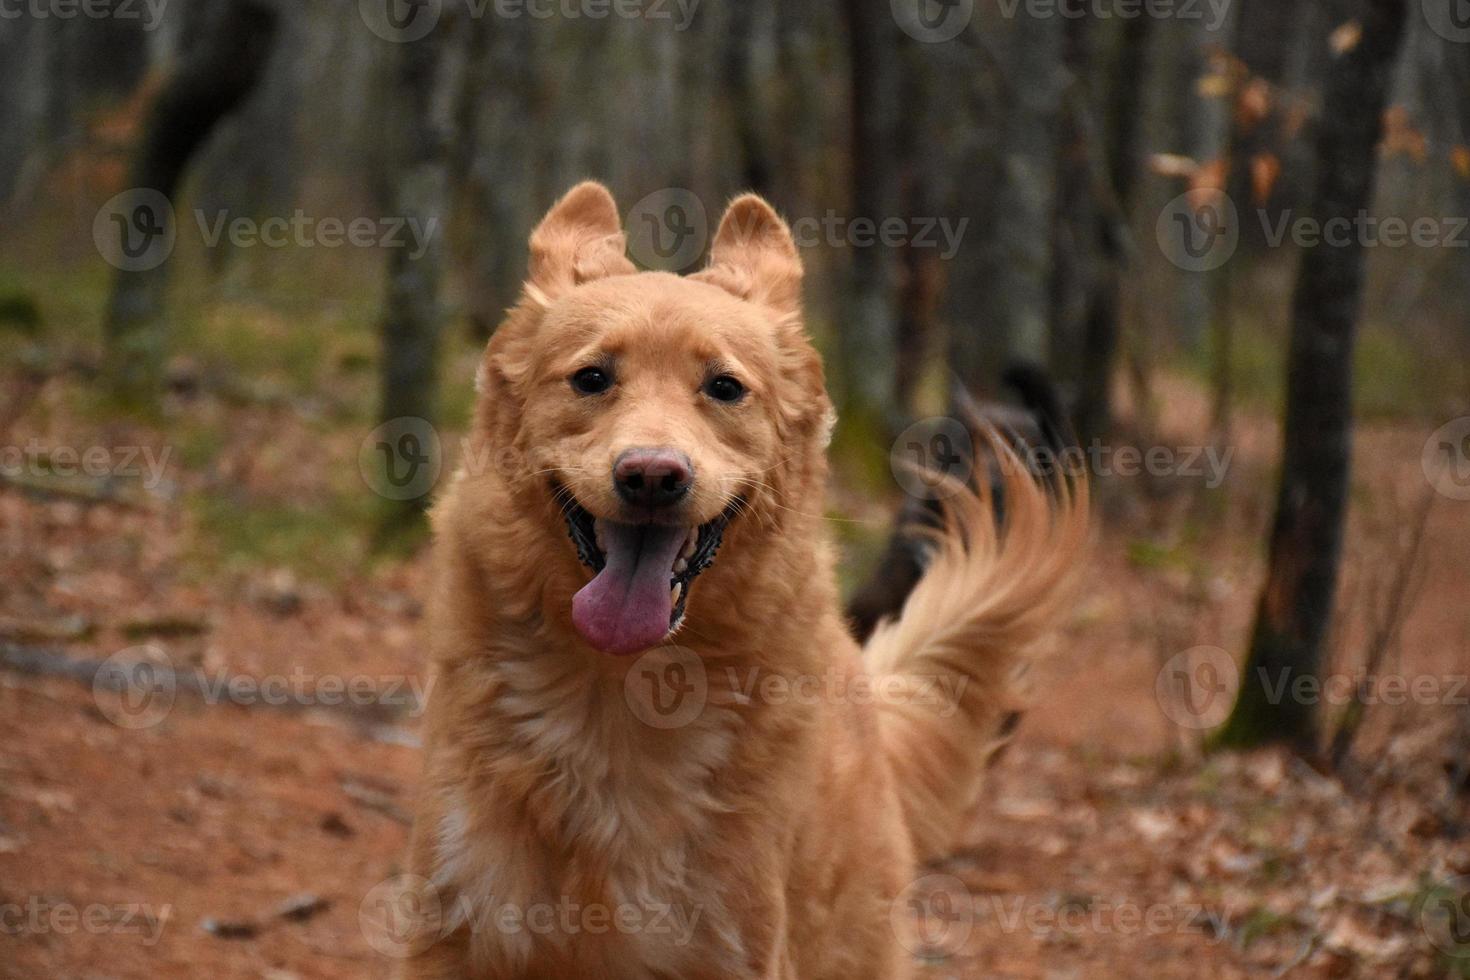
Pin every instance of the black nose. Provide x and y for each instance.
(653, 477)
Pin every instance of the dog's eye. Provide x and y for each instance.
(591, 381)
(724, 389)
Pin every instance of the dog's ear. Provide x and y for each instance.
(579, 240)
(754, 256)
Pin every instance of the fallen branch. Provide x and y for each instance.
(87, 493)
(372, 718)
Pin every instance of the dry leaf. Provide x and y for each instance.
(1216, 85)
(1460, 157)
(1295, 118)
(1401, 136)
(1345, 38)
(1152, 825)
(1254, 103)
(1265, 169)
(1207, 183)
(1173, 165)
(1211, 176)
(1349, 936)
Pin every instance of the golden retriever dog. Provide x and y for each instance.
(653, 749)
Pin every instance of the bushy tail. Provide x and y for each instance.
(988, 596)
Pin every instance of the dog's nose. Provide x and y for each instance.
(653, 477)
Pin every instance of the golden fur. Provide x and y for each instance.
(774, 832)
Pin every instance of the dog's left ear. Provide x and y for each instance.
(579, 240)
(754, 256)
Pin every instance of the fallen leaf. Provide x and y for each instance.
(1401, 137)
(1345, 38)
(299, 908)
(1460, 157)
(1173, 165)
(1265, 169)
(1152, 825)
(1351, 937)
(1254, 103)
(230, 928)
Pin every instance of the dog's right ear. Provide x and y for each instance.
(579, 240)
(755, 257)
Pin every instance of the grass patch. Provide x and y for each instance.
(1395, 376)
(1157, 556)
(324, 541)
(1443, 910)
(1260, 923)
(62, 303)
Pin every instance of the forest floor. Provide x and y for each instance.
(249, 832)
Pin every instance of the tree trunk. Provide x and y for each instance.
(921, 276)
(425, 80)
(1103, 330)
(492, 171)
(750, 111)
(1097, 161)
(999, 291)
(1074, 259)
(868, 338)
(220, 70)
(1295, 607)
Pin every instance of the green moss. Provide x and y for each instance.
(1440, 908)
(1395, 375)
(1146, 553)
(861, 544)
(860, 453)
(1260, 923)
(324, 540)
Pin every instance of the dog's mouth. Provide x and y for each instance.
(644, 573)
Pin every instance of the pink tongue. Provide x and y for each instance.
(627, 607)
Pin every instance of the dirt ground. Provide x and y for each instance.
(254, 832)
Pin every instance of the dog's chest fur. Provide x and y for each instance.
(585, 836)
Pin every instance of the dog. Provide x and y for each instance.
(651, 538)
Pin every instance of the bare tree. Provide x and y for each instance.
(1097, 160)
(223, 66)
(999, 291)
(869, 335)
(1295, 606)
(491, 169)
(426, 77)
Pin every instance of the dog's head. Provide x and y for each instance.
(663, 417)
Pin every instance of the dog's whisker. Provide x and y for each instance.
(755, 484)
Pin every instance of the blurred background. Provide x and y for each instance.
(251, 250)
